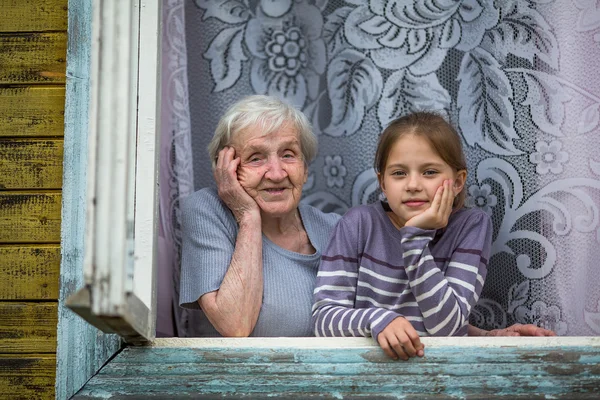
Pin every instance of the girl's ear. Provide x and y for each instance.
(381, 183)
(459, 182)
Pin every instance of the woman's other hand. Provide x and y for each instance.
(400, 340)
(229, 188)
(521, 330)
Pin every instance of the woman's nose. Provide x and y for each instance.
(275, 170)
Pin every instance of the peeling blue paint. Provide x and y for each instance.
(81, 349)
(447, 371)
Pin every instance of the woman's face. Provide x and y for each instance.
(272, 169)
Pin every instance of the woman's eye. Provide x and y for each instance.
(288, 155)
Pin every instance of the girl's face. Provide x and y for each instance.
(413, 173)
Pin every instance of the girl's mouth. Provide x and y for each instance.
(414, 203)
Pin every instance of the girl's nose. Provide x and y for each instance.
(413, 183)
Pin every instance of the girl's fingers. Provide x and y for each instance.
(397, 350)
(447, 198)
(406, 345)
(437, 199)
(385, 346)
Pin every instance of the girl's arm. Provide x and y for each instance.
(446, 299)
(335, 290)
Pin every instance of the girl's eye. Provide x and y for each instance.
(430, 172)
(398, 173)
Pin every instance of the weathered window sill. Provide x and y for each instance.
(552, 367)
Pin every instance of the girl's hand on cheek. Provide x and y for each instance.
(436, 216)
(229, 188)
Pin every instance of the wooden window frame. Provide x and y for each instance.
(119, 295)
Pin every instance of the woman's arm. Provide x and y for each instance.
(233, 309)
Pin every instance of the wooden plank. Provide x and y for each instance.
(31, 164)
(352, 368)
(29, 217)
(82, 349)
(29, 272)
(32, 111)
(33, 58)
(27, 376)
(33, 15)
(28, 327)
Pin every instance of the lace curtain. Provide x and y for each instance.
(517, 77)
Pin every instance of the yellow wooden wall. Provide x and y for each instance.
(33, 43)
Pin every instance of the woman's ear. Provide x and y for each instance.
(305, 173)
(459, 182)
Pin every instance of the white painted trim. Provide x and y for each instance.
(350, 343)
(121, 226)
(148, 142)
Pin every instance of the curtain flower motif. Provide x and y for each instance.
(542, 315)
(482, 197)
(288, 52)
(418, 33)
(548, 157)
(335, 171)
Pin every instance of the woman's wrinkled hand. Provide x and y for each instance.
(521, 330)
(229, 188)
(400, 340)
(437, 215)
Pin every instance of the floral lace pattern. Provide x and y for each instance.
(517, 78)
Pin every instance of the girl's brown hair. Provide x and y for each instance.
(436, 130)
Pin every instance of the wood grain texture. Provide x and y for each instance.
(28, 327)
(27, 217)
(29, 272)
(28, 58)
(32, 111)
(27, 376)
(31, 164)
(33, 15)
(452, 368)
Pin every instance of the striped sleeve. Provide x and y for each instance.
(446, 299)
(333, 312)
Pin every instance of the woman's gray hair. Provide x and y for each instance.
(269, 112)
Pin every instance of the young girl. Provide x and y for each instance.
(414, 264)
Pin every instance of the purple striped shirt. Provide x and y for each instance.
(372, 273)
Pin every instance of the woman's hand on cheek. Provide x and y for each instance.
(229, 188)
(436, 216)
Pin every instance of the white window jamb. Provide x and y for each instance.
(120, 245)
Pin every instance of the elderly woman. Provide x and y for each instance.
(250, 250)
